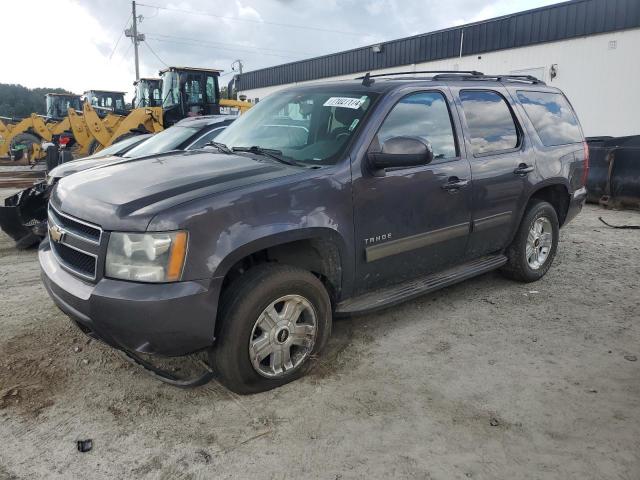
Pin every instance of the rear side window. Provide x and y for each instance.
(552, 117)
(423, 115)
(490, 122)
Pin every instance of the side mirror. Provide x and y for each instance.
(401, 152)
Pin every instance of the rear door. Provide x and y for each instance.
(500, 164)
(413, 221)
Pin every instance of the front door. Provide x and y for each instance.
(499, 167)
(413, 221)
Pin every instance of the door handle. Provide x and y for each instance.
(454, 184)
(523, 169)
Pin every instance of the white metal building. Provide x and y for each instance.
(588, 48)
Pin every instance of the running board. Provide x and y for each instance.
(388, 296)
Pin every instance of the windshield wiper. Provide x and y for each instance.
(267, 152)
(220, 146)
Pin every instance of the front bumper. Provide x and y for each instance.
(167, 319)
(576, 202)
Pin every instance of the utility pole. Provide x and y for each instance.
(136, 37)
(237, 63)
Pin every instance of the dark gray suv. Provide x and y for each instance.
(325, 199)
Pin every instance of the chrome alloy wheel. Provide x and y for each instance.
(539, 242)
(283, 336)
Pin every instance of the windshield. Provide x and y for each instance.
(119, 146)
(167, 140)
(170, 89)
(313, 127)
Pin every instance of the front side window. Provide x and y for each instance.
(424, 115)
(490, 122)
(311, 127)
(552, 117)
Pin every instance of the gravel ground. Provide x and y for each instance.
(488, 379)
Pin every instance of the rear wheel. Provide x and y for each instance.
(274, 320)
(21, 146)
(534, 247)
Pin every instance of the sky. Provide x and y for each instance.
(78, 44)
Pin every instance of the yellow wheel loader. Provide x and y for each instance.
(186, 92)
(148, 93)
(22, 139)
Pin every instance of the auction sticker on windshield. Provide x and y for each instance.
(345, 102)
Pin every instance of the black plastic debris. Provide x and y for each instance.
(85, 445)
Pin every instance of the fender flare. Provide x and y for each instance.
(280, 238)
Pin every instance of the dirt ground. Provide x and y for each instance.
(488, 379)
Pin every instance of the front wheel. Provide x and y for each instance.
(534, 247)
(275, 320)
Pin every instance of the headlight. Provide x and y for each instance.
(146, 257)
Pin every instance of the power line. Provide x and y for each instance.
(239, 19)
(205, 44)
(197, 40)
(120, 37)
(146, 42)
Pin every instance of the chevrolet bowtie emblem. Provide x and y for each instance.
(56, 233)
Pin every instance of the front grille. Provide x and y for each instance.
(75, 243)
(71, 225)
(80, 262)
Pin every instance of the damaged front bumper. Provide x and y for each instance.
(24, 215)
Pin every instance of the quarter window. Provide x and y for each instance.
(552, 117)
(490, 122)
(424, 115)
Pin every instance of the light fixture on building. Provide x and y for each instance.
(376, 48)
(553, 71)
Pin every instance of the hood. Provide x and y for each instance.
(74, 166)
(83, 164)
(127, 195)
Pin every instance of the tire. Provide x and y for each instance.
(21, 144)
(529, 268)
(243, 323)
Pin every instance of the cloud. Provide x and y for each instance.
(86, 31)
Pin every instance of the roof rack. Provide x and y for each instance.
(497, 78)
(458, 75)
(391, 74)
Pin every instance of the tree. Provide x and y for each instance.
(17, 101)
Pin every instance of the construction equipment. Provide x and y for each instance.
(148, 93)
(105, 119)
(186, 92)
(58, 105)
(105, 101)
(22, 138)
